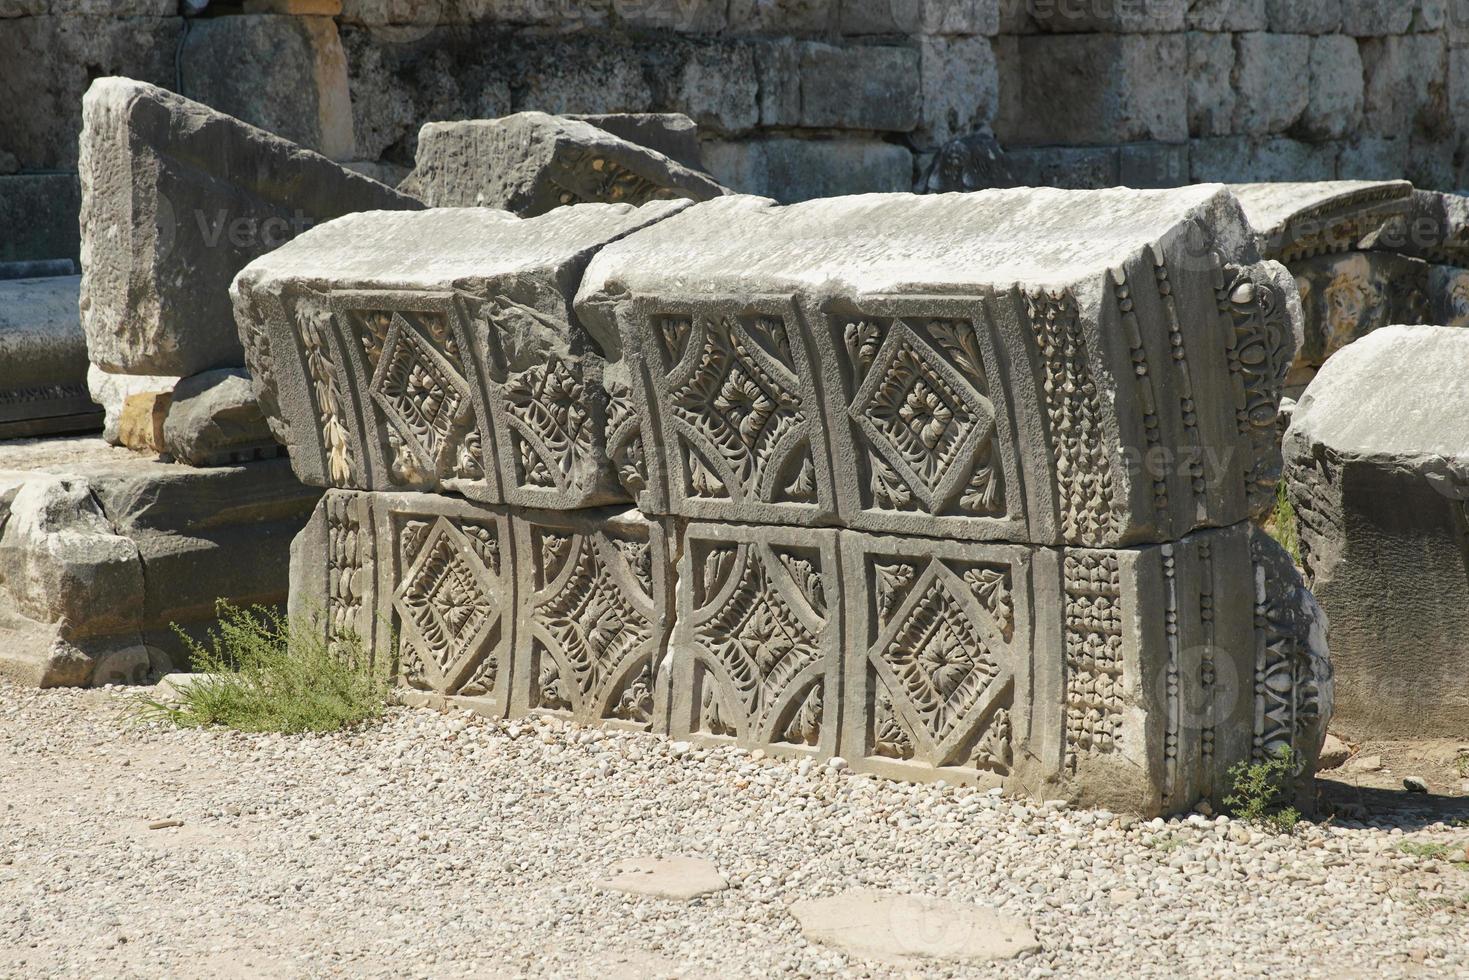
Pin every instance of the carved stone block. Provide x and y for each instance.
(756, 651)
(1295, 221)
(1377, 463)
(530, 163)
(439, 351)
(176, 199)
(595, 605)
(1345, 297)
(1117, 385)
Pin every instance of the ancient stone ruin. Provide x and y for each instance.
(1378, 466)
(954, 486)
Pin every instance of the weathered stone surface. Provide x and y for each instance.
(1371, 18)
(1069, 167)
(43, 359)
(677, 878)
(111, 391)
(971, 163)
(912, 930)
(1335, 106)
(530, 162)
(214, 420)
(1297, 220)
(1243, 159)
(861, 87)
(285, 74)
(1304, 16)
(101, 550)
(39, 215)
(1211, 86)
(1121, 677)
(1271, 77)
(1135, 17)
(176, 199)
(439, 350)
(672, 134)
(854, 301)
(1448, 296)
(1405, 89)
(1345, 297)
(960, 88)
(1233, 16)
(140, 426)
(49, 62)
(791, 170)
(1378, 470)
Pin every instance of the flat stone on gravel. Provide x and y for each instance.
(678, 878)
(903, 930)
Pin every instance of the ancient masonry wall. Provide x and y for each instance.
(796, 99)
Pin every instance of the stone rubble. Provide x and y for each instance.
(468, 847)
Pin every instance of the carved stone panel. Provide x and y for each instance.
(596, 595)
(755, 652)
(938, 659)
(922, 430)
(733, 385)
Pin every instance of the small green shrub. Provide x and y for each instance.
(1282, 524)
(1262, 791)
(266, 673)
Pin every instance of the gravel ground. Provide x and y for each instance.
(444, 845)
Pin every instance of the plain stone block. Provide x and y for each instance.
(1109, 16)
(1072, 167)
(1376, 18)
(1405, 85)
(1304, 16)
(1242, 160)
(861, 87)
(960, 88)
(716, 86)
(285, 74)
(49, 62)
(788, 17)
(791, 170)
(778, 68)
(214, 420)
(43, 359)
(1152, 164)
(1335, 107)
(1272, 79)
(1373, 158)
(1211, 88)
(39, 213)
(933, 18)
(1105, 88)
(1230, 16)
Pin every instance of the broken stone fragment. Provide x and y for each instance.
(1298, 220)
(530, 162)
(140, 425)
(1377, 460)
(672, 134)
(214, 420)
(1089, 368)
(439, 350)
(112, 391)
(43, 359)
(176, 199)
(913, 930)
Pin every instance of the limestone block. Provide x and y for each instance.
(285, 74)
(594, 604)
(1448, 296)
(934, 18)
(1242, 159)
(1335, 106)
(1070, 167)
(1379, 474)
(214, 420)
(1345, 297)
(790, 170)
(869, 86)
(672, 134)
(39, 215)
(789, 17)
(1375, 18)
(1106, 88)
(1297, 220)
(1134, 17)
(49, 62)
(438, 350)
(43, 387)
(1232, 16)
(971, 163)
(778, 68)
(756, 651)
(1304, 16)
(140, 425)
(1211, 87)
(530, 162)
(960, 88)
(1272, 77)
(111, 391)
(715, 85)
(1153, 164)
(177, 198)
(101, 550)
(948, 367)
(1405, 84)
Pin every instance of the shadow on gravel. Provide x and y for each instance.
(1396, 807)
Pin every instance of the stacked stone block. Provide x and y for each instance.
(952, 487)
